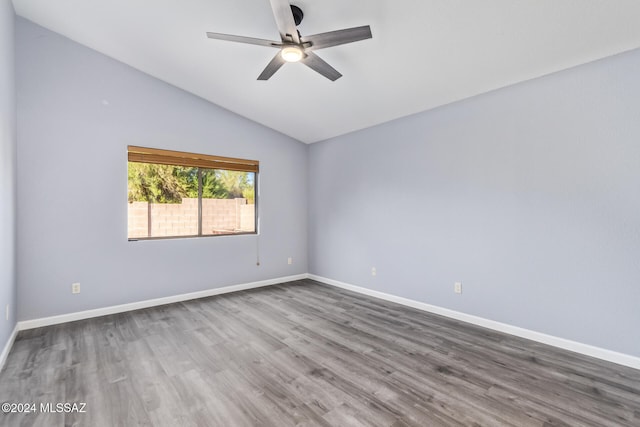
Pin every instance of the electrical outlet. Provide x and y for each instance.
(373, 271)
(75, 288)
(457, 287)
(290, 261)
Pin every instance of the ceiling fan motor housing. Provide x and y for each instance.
(297, 14)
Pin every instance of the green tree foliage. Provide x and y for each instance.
(169, 184)
(249, 193)
(212, 188)
(153, 183)
(235, 182)
(188, 179)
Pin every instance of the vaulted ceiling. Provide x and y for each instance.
(423, 54)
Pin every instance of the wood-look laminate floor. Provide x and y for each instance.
(304, 353)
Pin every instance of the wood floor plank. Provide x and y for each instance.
(306, 354)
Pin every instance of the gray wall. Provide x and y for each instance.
(529, 195)
(7, 172)
(77, 112)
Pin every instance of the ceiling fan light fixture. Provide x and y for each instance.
(291, 53)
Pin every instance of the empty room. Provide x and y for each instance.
(338, 213)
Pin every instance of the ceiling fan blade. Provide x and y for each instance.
(284, 21)
(242, 39)
(335, 38)
(318, 64)
(273, 66)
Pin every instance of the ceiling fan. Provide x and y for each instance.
(295, 48)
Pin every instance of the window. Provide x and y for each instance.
(177, 194)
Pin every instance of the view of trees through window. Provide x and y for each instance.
(171, 201)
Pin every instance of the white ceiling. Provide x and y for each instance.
(424, 53)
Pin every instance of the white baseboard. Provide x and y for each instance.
(87, 314)
(589, 350)
(7, 346)
(586, 349)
